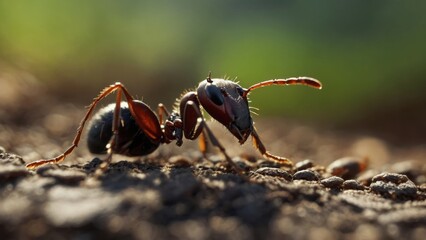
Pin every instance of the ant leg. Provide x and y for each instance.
(143, 115)
(116, 120)
(105, 92)
(217, 144)
(202, 143)
(259, 146)
(202, 128)
(162, 111)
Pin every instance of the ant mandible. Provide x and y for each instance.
(137, 131)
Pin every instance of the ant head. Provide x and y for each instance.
(226, 101)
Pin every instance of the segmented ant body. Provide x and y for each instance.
(138, 131)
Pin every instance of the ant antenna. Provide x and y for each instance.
(209, 77)
(307, 81)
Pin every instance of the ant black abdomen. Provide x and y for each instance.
(131, 140)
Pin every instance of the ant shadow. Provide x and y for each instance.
(188, 192)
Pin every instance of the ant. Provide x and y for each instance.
(138, 131)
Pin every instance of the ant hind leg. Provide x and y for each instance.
(105, 92)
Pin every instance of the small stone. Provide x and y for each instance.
(10, 158)
(332, 182)
(394, 186)
(352, 184)
(391, 177)
(307, 175)
(347, 167)
(267, 163)
(180, 161)
(305, 164)
(275, 172)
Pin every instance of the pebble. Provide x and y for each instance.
(180, 161)
(394, 186)
(347, 167)
(390, 177)
(352, 184)
(307, 175)
(267, 163)
(10, 158)
(305, 164)
(275, 172)
(332, 182)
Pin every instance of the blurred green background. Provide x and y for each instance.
(369, 55)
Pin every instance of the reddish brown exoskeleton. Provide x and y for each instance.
(138, 131)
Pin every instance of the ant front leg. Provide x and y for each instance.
(198, 127)
(262, 149)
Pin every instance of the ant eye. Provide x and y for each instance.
(214, 94)
(240, 91)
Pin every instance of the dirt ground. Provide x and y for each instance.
(378, 190)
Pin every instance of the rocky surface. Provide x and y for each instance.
(147, 200)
